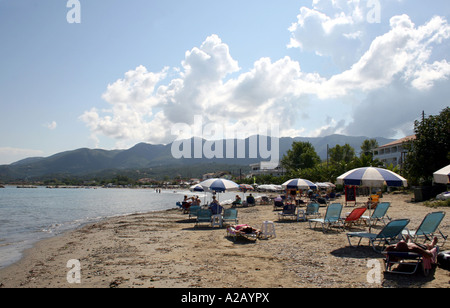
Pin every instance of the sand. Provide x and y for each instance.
(165, 250)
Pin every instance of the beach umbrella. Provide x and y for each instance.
(442, 176)
(245, 187)
(330, 184)
(323, 185)
(219, 185)
(372, 177)
(268, 187)
(197, 188)
(299, 184)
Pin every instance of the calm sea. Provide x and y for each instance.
(28, 215)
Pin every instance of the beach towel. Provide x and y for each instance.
(428, 262)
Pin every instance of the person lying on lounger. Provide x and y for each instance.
(427, 251)
(246, 229)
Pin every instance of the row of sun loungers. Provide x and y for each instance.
(390, 233)
(333, 218)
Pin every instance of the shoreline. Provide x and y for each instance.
(14, 240)
(163, 250)
(50, 236)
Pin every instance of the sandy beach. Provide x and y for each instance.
(165, 250)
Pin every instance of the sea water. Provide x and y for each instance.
(28, 215)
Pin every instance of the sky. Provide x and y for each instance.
(113, 73)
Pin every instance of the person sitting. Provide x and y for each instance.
(237, 202)
(372, 202)
(186, 204)
(215, 207)
(278, 203)
(251, 200)
(197, 199)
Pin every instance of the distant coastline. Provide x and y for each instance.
(149, 161)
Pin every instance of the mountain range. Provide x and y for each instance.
(157, 160)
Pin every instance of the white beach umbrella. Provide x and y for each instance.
(323, 185)
(442, 176)
(268, 187)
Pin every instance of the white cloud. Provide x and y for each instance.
(331, 127)
(396, 70)
(335, 29)
(132, 102)
(425, 77)
(403, 52)
(52, 126)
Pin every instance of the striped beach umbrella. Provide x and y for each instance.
(245, 187)
(299, 184)
(372, 177)
(442, 176)
(219, 185)
(197, 188)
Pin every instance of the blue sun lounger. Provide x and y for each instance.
(428, 228)
(332, 217)
(389, 234)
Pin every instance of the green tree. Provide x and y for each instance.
(342, 154)
(301, 156)
(368, 146)
(430, 151)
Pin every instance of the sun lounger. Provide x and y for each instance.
(278, 203)
(428, 228)
(411, 260)
(312, 210)
(355, 216)
(289, 210)
(230, 215)
(242, 231)
(203, 216)
(332, 217)
(389, 234)
(193, 210)
(379, 214)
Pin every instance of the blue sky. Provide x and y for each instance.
(131, 70)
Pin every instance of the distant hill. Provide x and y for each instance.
(90, 162)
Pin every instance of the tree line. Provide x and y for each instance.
(427, 153)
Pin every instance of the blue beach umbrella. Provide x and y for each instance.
(299, 184)
(219, 185)
(197, 188)
(372, 177)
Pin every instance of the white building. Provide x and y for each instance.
(393, 153)
(266, 168)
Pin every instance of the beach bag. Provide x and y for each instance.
(443, 260)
